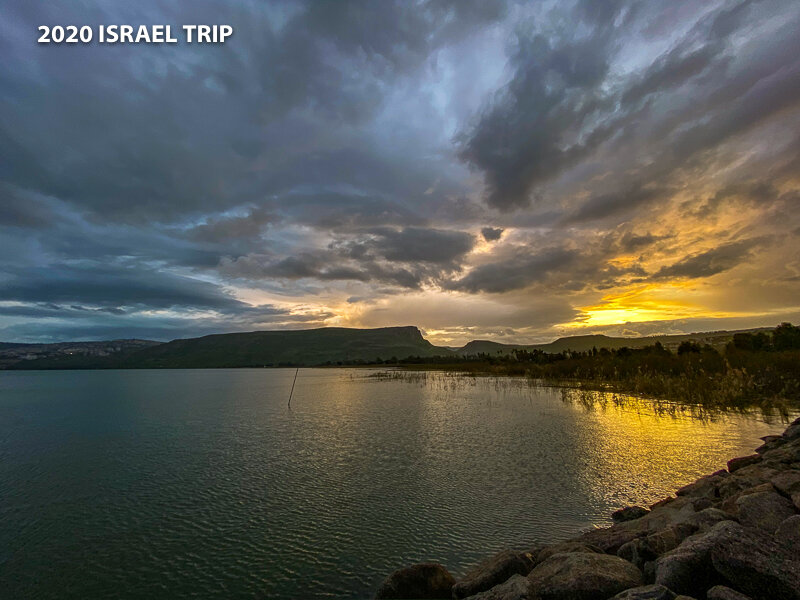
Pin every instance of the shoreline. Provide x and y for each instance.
(731, 535)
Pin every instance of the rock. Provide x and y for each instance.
(569, 546)
(787, 482)
(629, 513)
(784, 457)
(583, 576)
(730, 503)
(788, 533)
(745, 478)
(793, 431)
(770, 443)
(645, 549)
(424, 580)
(765, 510)
(720, 592)
(754, 563)
(735, 464)
(705, 487)
(707, 518)
(646, 592)
(688, 569)
(682, 597)
(516, 588)
(492, 572)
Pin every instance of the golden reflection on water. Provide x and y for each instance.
(618, 449)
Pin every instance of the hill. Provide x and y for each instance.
(306, 347)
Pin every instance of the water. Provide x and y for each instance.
(157, 484)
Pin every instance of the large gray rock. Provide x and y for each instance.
(645, 549)
(629, 513)
(735, 464)
(705, 487)
(583, 576)
(420, 581)
(788, 533)
(754, 563)
(688, 568)
(663, 515)
(793, 431)
(787, 482)
(516, 588)
(646, 592)
(493, 571)
(765, 510)
(720, 592)
(568, 546)
(745, 478)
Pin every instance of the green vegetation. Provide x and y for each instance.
(753, 368)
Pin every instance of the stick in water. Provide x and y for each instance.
(293, 382)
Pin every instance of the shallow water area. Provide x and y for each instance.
(205, 483)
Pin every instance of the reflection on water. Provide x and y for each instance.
(204, 483)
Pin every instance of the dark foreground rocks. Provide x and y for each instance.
(424, 581)
(731, 535)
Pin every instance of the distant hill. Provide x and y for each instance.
(12, 354)
(582, 343)
(306, 347)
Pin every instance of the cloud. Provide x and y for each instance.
(492, 234)
(711, 262)
(331, 156)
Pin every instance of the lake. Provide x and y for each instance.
(204, 483)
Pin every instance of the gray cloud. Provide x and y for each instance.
(711, 262)
(326, 150)
(492, 234)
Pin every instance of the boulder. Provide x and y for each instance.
(784, 457)
(424, 580)
(516, 588)
(793, 431)
(705, 487)
(788, 533)
(787, 482)
(646, 592)
(688, 568)
(765, 510)
(744, 478)
(645, 549)
(735, 464)
(730, 505)
(493, 571)
(754, 563)
(682, 597)
(583, 576)
(610, 539)
(720, 592)
(629, 513)
(770, 443)
(569, 546)
(707, 518)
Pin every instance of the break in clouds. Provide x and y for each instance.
(477, 168)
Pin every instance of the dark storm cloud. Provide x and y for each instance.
(567, 101)
(519, 270)
(415, 244)
(492, 234)
(404, 257)
(710, 262)
(102, 286)
(326, 148)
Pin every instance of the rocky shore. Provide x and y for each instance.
(731, 535)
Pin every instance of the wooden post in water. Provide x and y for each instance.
(293, 382)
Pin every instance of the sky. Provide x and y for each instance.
(483, 169)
